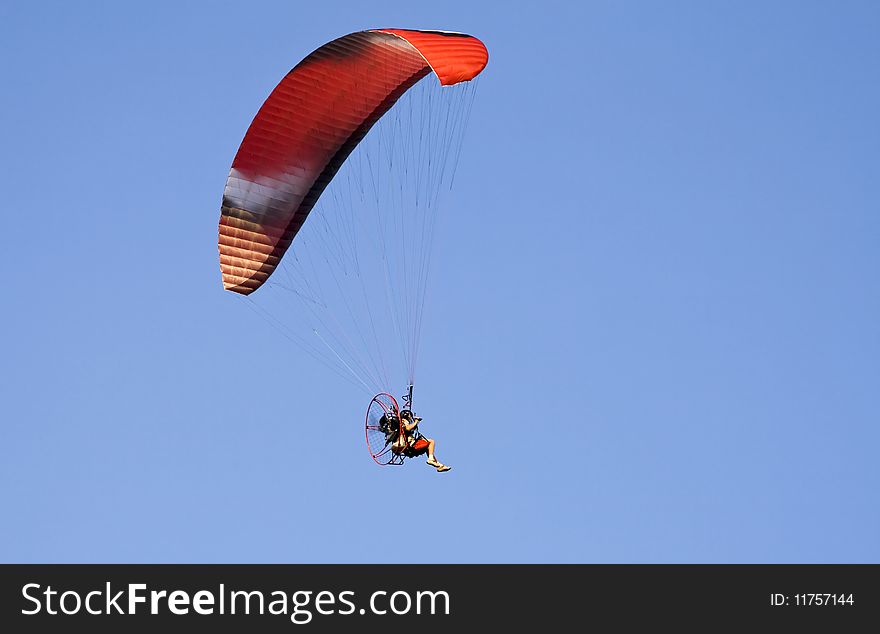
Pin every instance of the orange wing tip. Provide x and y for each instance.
(240, 284)
(454, 57)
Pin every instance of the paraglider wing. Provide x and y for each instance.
(309, 125)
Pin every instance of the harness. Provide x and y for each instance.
(393, 427)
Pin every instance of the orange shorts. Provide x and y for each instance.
(418, 447)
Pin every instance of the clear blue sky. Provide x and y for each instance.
(655, 336)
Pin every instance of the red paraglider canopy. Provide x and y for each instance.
(310, 124)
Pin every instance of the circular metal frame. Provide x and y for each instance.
(380, 451)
